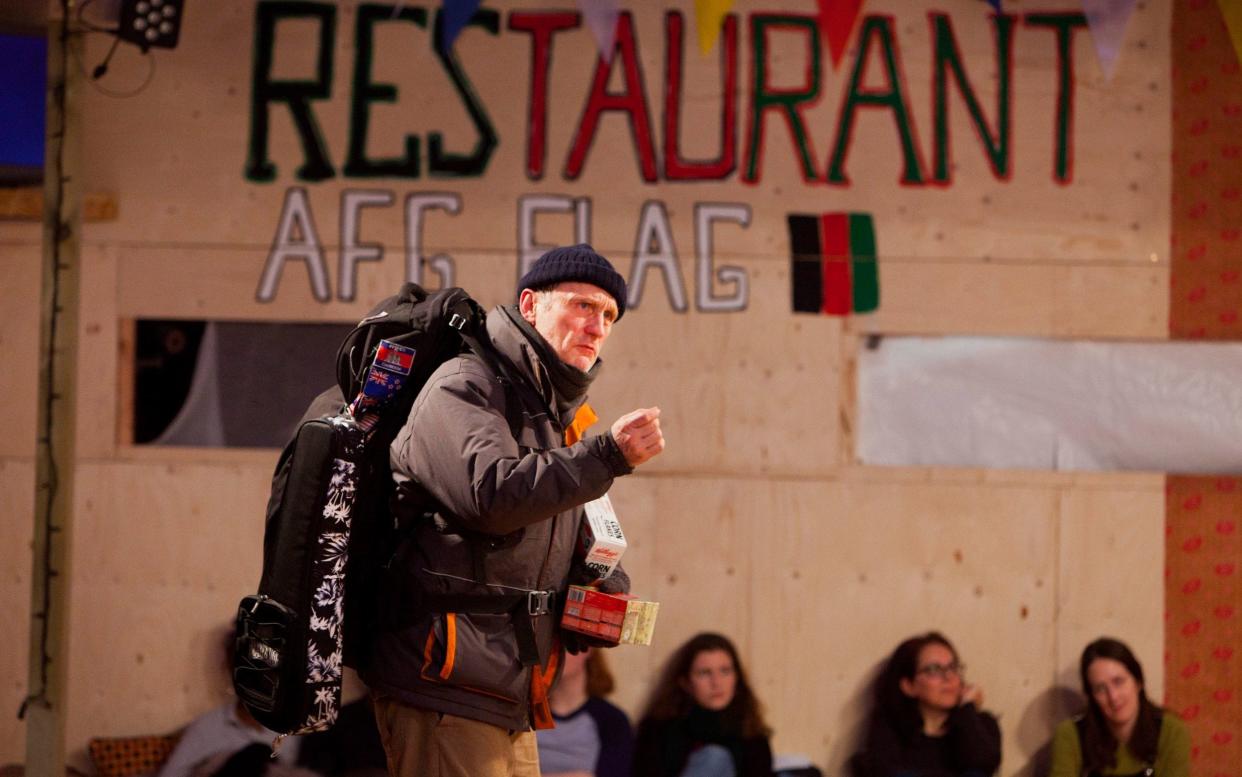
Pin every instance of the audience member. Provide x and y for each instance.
(352, 747)
(1122, 732)
(592, 737)
(927, 721)
(228, 742)
(703, 719)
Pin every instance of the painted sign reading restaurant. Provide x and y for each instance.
(785, 79)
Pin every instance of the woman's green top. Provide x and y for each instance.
(1172, 752)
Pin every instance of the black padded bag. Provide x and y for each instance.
(329, 530)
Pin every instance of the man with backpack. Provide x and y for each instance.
(492, 472)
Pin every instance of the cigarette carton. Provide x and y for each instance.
(616, 618)
(639, 624)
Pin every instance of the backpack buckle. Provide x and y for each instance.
(540, 602)
(457, 321)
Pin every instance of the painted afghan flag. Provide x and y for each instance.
(833, 263)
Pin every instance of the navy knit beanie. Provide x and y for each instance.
(576, 263)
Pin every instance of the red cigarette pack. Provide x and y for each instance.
(614, 618)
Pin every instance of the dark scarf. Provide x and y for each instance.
(708, 727)
(711, 726)
(568, 384)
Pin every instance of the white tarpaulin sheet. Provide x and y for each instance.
(1045, 404)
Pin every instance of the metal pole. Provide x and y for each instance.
(45, 708)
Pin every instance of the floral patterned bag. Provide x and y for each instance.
(290, 636)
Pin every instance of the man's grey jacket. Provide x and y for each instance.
(508, 494)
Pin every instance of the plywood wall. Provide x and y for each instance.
(756, 521)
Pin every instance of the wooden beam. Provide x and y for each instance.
(127, 350)
(25, 203)
(45, 707)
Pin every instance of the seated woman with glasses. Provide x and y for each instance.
(703, 720)
(927, 722)
(1121, 732)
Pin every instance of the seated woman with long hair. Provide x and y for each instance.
(927, 721)
(1122, 732)
(703, 719)
(592, 737)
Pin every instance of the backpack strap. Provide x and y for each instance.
(481, 346)
(521, 607)
(486, 352)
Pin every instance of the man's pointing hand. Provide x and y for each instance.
(638, 435)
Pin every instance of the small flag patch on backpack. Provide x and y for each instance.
(386, 376)
(833, 264)
(395, 358)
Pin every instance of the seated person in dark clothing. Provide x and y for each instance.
(351, 748)
(592, 738)
(703, 719)
(927, 722)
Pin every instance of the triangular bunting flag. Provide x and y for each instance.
(601, 19)
(1107, 21)
(836, 22)
(1232, 11)
(995, 5)
(454, 14)
(709, 16)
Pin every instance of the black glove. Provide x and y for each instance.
(575, 642)
(616, 583)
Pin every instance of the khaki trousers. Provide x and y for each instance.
(422, 743)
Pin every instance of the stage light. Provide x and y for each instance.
(150, 23)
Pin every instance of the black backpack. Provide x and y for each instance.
(329, 531)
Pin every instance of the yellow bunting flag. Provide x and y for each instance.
(709, 15)
(1232, 11)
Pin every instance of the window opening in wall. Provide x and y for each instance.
(227, 383)
(165, 356)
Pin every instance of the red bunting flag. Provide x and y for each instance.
(836, 23)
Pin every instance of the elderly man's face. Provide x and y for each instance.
(575, 318)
